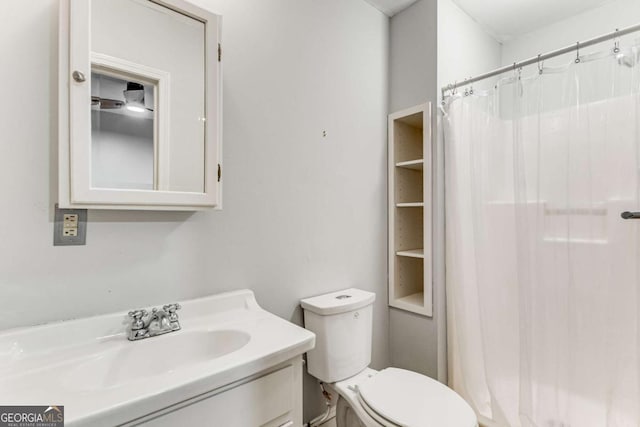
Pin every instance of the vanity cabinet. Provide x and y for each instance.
(410, 210)
(272, 399)
(140, 105)
(231, 364)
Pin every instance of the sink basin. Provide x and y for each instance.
(160, 355)
(103, 379)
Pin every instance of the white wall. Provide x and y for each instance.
(595, 22)
(464, 48)
(303, 214)
(412, 56)
(412, 80)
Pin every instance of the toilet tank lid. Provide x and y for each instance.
(338, 302)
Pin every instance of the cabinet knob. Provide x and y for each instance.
(78, 76)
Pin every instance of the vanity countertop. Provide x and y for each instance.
(102, 379)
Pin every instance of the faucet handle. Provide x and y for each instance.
(173, 316)
(137, 316)
(171, 308)
(137, 330)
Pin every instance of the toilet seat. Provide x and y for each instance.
(398, 397)
(347, 390)
(374, 415)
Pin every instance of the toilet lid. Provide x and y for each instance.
(410, 399)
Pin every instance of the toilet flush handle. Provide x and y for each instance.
(630, 215)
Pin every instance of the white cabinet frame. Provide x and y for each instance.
(411, 210)
(74, 150)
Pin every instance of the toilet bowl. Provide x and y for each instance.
(392, 397)
(396, 397)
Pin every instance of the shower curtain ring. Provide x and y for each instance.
(616, 43)
(540, 64)
(577, 52)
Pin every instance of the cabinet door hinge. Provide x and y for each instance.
(219, 172)
(219, 52)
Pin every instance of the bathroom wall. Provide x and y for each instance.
(414, 342)
(465, 49)
(303, 214)
(592, 23)
(413, 47)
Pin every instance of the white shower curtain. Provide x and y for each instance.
(543, 274)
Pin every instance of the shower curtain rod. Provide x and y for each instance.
(575, 47)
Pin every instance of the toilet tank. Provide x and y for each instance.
(342, 322)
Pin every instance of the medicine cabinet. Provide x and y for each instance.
(410, 210)
(139, 105)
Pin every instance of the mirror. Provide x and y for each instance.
(143, 122)
(123, 137)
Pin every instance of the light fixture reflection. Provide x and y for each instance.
(135, 108)
(134, 97)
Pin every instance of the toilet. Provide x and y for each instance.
(392, 397)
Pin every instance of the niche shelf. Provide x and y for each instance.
(412, 164)
(410, 205)
(412, 253)
(410, 177)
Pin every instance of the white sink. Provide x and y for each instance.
(101, 378)
(161, 355)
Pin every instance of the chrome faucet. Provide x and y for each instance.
(145, 325)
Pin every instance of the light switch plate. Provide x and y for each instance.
(70, 227)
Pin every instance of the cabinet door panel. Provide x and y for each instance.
(266, 401)
(139, 105)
